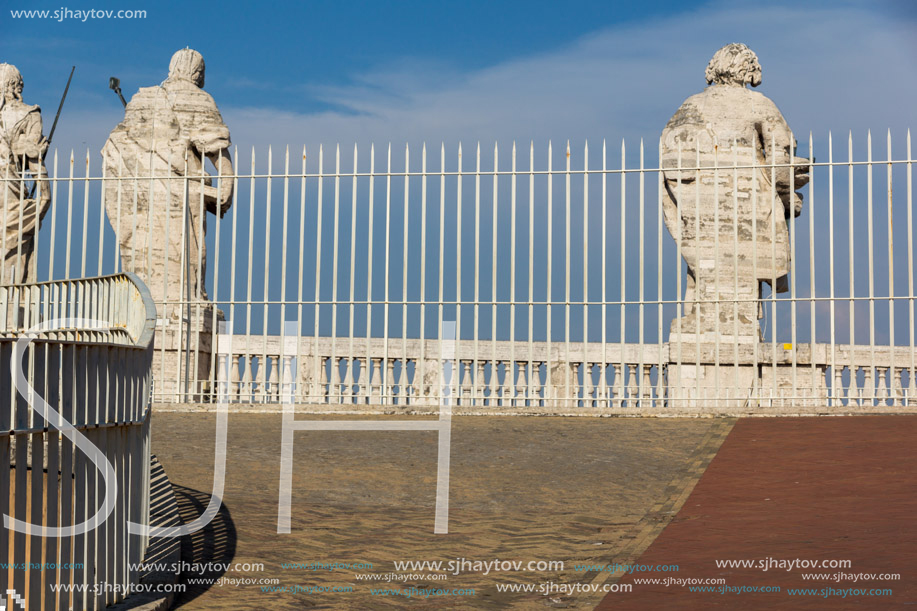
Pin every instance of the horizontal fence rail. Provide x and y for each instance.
(334, 269)
(90, 359)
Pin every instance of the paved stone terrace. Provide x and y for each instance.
(573, 489)
(806, 488)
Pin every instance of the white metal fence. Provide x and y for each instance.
(99, 383)
(336, 268)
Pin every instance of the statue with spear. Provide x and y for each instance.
(22, 152)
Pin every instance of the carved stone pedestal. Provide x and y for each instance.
(182, 361)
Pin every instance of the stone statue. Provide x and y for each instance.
(732, 224)
(22, 147)
(157, 205)
(167, 131)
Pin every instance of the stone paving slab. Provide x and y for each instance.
(822, 489)
(578, 490)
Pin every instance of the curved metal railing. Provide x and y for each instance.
(83, 349)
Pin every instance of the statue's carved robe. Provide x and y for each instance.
(20, 149)
(730, 220)
(164, 128)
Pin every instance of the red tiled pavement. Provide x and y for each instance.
(787, 488)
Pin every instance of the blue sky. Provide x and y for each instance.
(310, 73)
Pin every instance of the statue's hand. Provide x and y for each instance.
(801, 169)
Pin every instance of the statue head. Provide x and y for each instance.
(735, 64)
(187, 64)
(10, 82)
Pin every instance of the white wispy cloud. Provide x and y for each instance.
(840, 68)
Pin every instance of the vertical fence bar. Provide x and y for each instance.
(369, 274)
(793, 293)
(604, 365)
(510, 371)
(772, 199)
(835, 378)
(912, 383)
(587, 371)
(660, 306)
(101, 229)
(262, 364)
(441, 281)
(549, 340)
(457, 368)
(54, 221)
(871, 389)
(571, 394)
(248, 387)
(891, 273)
(812, 336)
(70, 218)
(533, 399)
(403, 384)
(622, 338)
(236, 392)
(420, 367)
(351, 357)
(851, 393)
(86, 188)
(388, 217)
(735, 267)
(478, 389)
(494, 311)
(641, 291)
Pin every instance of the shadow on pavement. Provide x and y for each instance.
(214, 545)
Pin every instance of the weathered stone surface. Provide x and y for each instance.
(166, 133)
(22, 146)
(730, 177)
(157, 195)
(730, 219)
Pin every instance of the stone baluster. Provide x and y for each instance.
(506, 388)
(911, 392)
(617, 389)
(222, 378)
(869, 388)
(882, 386)
(463, 382)
(821, 390)
(601, 389)
(897, 388)
(633, 388)
(375, 384)
(287, 384)
(260, 381)
(837, 386)
(519, 398)
(347, 392)
(234, 378)
(535, 385)
(247, 394)
(336, 382)
(853, 397)
(493, 383)
(577, 387)
(646, 388)
(389, 395)
(274, 390)
(417, 393)
(361, 383)
(404, 382)
(588, 384)
(323, 387)
(479, 385)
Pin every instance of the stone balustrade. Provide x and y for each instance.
(558, 375)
